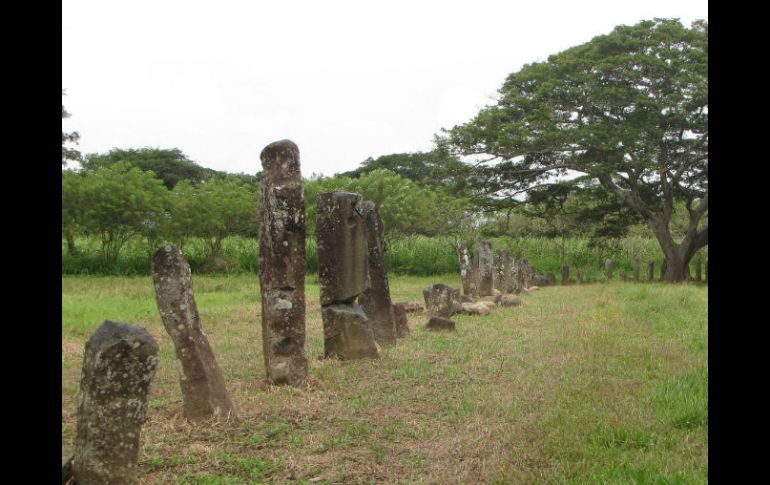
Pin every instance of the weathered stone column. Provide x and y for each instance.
(698, 270)
(484, 258)
(510, 283)
(650, 270)
(608, 269)
(376, 298)
(343, 271)
(500, 270)
(468, 271)
(282, 264)
(580, 276)
(636, 271)
(118, 367)
(565, 275)
(203, 387)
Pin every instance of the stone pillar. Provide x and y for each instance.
(510, 284)
(580, 276)
(698, 270)
(468, 271)
(636, 271)
(203, 387)
(565, 275)
(118, 367)
(375, 300)
(282, 264)
(608, 269)
(650, 270)
(343, 271)
(502, 270)
(484, 258)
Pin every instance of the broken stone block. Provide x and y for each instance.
(346, 333)
(439, 323)
(399, 316)
(441, 300)
(282, 264)
(510, 300)
(203, 387)
(476, 308)
(118, 367)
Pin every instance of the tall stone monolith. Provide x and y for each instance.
(469, 273)
(486, 272)
(119, 365)
(501, 270)
(376, 298)
(343, 272)
(203, 388)
(282, 264)
(511, 275)
(608, 265)
(650, 270)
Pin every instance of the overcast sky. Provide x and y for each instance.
(344, 80)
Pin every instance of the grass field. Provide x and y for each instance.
(605, 383)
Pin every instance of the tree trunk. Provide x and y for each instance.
(72, 250)
(677, 256)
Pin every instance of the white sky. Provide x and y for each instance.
(344, 80)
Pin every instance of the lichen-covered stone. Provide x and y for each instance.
(347, 334)
(486, 272)
(282, 264)
(442, 300)
(376, 298)
(502, 270)
(119, 365)
(439, 323)
(203, 387)
(399, 317)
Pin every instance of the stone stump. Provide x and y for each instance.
(608, 265)
(484, 258)
(650, 270)
(439, 323)
(468, 271)
(636, 271)
(698, 274)
(343, 271)
(282, 264)
(203, 387)
(580, 276)
(399, 317)
(376, 298)
(441, 300)
(118, 367)
(565, 275)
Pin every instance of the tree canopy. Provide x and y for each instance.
(626, 113)
(68, 153)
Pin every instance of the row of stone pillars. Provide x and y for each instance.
(609, 266)
(120, 359)
(480, 274)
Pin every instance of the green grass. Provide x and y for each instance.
(602, 383)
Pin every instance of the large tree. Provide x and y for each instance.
(626, 112)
